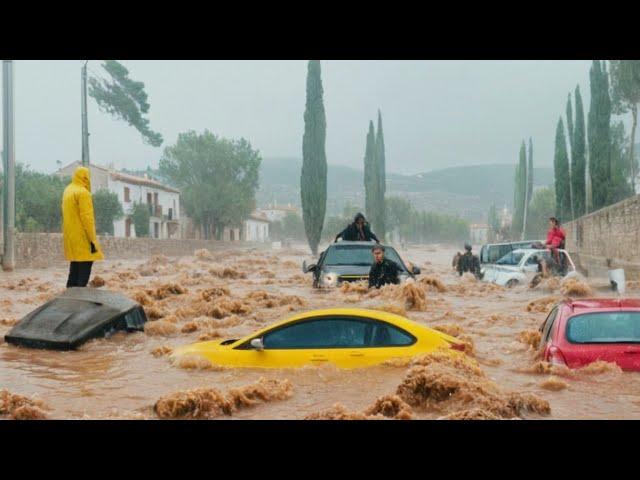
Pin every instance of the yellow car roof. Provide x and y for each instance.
(391, 318)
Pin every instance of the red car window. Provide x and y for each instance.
(547, 327)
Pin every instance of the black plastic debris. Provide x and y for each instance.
(78, 315)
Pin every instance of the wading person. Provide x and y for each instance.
(468, 262)
(358, 231)
(383, 270)
(81, 246)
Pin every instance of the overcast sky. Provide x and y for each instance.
(435, 113)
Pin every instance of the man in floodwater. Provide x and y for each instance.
(383, 270)
(81, 245)
(358, 231)
(469, 262)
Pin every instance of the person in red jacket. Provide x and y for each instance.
(555, 238)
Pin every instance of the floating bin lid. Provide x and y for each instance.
(78, 315)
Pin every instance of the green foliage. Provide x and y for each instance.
(599, 133)
(494, 221)
(543, 206)
(290, 227)
(620, 186)
(140, 215)
(625, 97)
(107, 208)
(562, 177)
(333, 225)
(424, 227)
(125, 99)
(578, 159)
(313, 177)
(38, 200)
(217, 177)
(398, 214)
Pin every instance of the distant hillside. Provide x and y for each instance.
(465, 191)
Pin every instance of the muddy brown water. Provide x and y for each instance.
(121, 378)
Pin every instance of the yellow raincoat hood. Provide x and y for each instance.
(82, 177)
(78, 221)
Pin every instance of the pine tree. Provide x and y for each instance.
(380, 228)
(599, 133)
(313, 178)
(561, 171)
(578, 159)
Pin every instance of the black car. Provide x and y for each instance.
(350, 262)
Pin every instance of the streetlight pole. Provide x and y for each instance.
(85, 121)
(8, 160)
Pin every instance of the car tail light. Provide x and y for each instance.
(457, 346)
(556, 357)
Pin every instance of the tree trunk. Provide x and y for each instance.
(634, 114)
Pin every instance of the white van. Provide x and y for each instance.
(492, 252)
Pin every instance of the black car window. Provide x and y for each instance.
(336, 332)
(386, 335)
(356, 255)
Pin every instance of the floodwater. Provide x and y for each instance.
(205, 295)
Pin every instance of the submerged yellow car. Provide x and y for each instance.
(345, 337)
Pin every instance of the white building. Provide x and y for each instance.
(479, 233)
(256, 228)
(163, 201)
(276, 213)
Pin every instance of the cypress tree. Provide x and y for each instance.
(570, 133)
(561, 170)
(599, 133)
(520, 191)
(530, 172)
(370, 176)
(578, 159)
(313, 178)
(380, 228)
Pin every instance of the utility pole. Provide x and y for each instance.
(8, 160)
(85, 121)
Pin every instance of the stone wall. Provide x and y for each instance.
(606, 239)
(41, 250)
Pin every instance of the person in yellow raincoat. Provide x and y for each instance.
(81, 245)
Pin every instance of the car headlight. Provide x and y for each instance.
(403, 277)
(329, 279)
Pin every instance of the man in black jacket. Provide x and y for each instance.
(358, 231)
(469, 262)
(383, 271)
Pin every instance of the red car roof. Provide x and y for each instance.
(587, 304)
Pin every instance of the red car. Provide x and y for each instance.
(579, 332)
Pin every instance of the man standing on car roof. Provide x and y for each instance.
(358, 231)
(383, 270)
(469, 262)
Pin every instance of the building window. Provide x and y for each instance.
(126, 194)
(127, 228)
